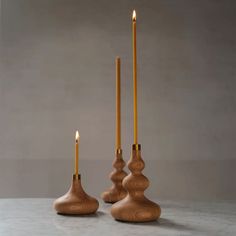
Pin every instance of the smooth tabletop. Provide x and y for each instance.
(37, 217)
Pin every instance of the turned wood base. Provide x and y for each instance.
(117, 191)
(130, 210)
(76, 201)
(135, 207)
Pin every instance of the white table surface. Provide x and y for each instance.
(32, 217)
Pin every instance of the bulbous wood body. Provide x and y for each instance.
(76, 201)
(135, 207)
(117, 191)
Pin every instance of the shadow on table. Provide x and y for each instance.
(95, 215)
(169, 224)
(164, 223)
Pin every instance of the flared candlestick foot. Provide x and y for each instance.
(133, 210)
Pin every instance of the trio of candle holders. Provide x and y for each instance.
(127, 191)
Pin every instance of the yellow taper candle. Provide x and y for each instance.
(135, 78)
(76, 153)
(118, 125)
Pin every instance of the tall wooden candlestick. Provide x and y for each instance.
(135, 207)
(135, 78)
(117, 192)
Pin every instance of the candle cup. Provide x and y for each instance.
(117, 191)
(135, 207)
(76, 201)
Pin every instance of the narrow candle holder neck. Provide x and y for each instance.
(76, 177)
(136, 147)
(118, 151)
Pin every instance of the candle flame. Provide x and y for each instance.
(77, 136)
(134, 15)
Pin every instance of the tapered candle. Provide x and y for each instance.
(135, 78)
(77, 153)
(118, 123)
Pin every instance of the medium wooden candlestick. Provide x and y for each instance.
(135, 207)
(117, 192)
(76, 201)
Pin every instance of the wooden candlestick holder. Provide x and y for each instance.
(117, 191)
(135, 207)
(76, 201)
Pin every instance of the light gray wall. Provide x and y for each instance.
(58, 75)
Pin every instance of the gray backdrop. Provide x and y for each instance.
(58, 75)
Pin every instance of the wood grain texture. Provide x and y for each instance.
(117, 192)
(135, 207)
(76, 201)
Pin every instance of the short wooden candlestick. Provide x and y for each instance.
(135, 207)
(117, 191)
(76, 201)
